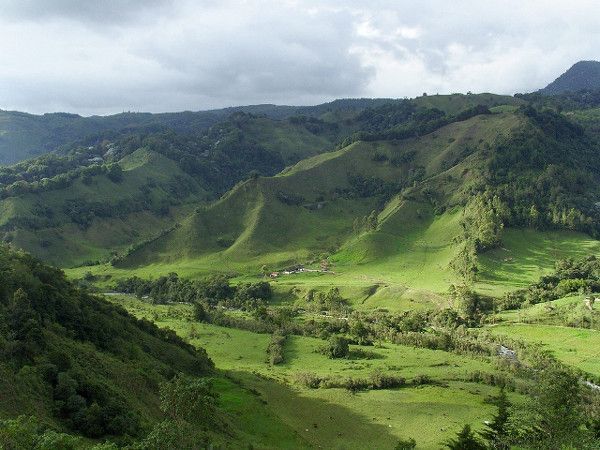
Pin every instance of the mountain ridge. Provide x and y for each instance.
(583, 75)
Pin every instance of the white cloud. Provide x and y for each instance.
(112, 55)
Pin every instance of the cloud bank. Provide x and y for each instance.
(108, 56)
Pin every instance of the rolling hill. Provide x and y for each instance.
(64, 207)
(24, 136)
(389, 213)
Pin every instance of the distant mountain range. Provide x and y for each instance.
(584, 75)
(24, 136)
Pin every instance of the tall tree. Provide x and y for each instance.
(465, 440)
(496, 432)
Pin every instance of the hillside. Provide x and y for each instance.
(52, 334)
(583, 75)
(81, 366)
(88, 203)
(373, 207)
(24, 136)
(98, 200)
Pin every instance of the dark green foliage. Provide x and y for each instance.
(465, 440)
(28, 433)
(115, 173)
(554, 414)
(330, 301)
(337, 347)
(212, 291)
(566, 101)
(496, 432)
(275, 353)
(290, 199)
(569, 276)
(406, 444)
(200, 313)
(376, 380)
(540, 186)
(470, 305)
(190, 407)
(92, 409)
(45, 321)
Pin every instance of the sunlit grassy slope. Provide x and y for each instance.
(400, 264)
(252, 224)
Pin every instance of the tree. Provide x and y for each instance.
(496, 432)
(189, 399)
(200, 313)
(465, 440)
(264, 269)
(464, 262)
(534, 217)
(190, 407)
(554, 415)
(115, 173)
(338, 347)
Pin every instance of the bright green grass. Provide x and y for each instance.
(526, 255)
(337, 419)
(334, 418)
(574, 346)
(570, 310)
(405, 268)
(233, 349)
(253, 420)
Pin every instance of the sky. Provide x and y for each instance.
(108, 56)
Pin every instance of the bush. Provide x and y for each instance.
(275, 348)
(337, 347)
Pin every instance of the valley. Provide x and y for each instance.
(354, 274)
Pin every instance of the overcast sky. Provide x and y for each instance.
(108, 56)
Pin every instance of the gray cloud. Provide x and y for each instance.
(104, 12)
(157, 55)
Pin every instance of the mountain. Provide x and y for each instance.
(583, 75)
(24, 136)
(393, 200)
(103, 197)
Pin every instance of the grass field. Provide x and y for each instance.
(526, 255)
(335, 418)
(573, 346)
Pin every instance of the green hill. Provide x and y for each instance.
(392, 212)
(64, 207)
(80, 366)
(24, 136)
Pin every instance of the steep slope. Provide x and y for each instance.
(392, 213)
(76, 369)
(583, 75)
(53, 336)
(78, 206)
(312, 206)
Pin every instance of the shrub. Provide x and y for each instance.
(337, 347)
(275, 348)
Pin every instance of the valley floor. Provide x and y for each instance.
(337, 418)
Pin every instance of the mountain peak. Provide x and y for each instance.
(581, 75)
